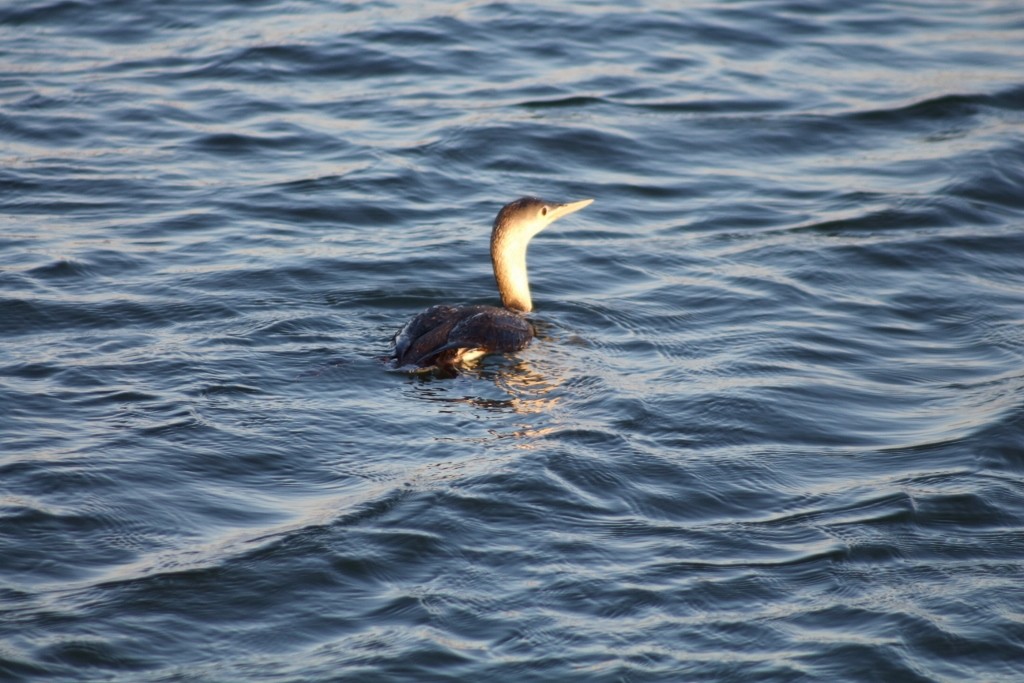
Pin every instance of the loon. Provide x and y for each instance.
(446, 336)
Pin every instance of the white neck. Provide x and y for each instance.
(508, 256)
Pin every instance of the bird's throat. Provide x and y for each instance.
(509, 259)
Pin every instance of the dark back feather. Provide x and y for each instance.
(439, 334)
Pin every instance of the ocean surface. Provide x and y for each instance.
(772, 428)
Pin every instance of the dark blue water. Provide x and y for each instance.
(772, 429)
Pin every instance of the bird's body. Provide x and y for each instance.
(446, 336)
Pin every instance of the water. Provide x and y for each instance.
(773, 428)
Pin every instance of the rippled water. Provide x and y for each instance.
(773, 428)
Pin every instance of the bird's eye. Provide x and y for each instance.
(543, 211)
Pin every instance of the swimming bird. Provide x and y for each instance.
(446, 336)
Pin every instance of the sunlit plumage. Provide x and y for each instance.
(445, 336)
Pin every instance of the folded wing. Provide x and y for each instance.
(442, 335)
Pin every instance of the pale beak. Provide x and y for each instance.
(560, 210)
